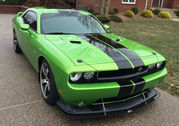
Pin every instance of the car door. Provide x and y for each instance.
(30, 36)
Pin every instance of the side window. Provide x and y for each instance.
(31, 18)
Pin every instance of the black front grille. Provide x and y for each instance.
(122, 73)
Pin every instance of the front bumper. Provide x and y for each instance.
(107, 109)
(75, 94)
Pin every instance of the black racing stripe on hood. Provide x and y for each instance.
(136, 60)
(119, 59)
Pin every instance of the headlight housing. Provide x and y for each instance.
(152, 66)
(88, 75)
(157, 66)
(75, 77)
(82, 77)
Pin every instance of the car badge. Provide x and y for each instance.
(140, 69)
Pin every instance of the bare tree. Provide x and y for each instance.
(101, 7)
(104, 7)
(107, 7)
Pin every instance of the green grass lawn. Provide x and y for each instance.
(160, 35)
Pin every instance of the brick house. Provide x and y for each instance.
(173, 4)
(124, 5)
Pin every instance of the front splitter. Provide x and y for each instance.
(109, 109)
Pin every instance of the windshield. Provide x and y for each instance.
(56, 23)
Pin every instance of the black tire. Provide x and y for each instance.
(15, 43)
(47, 83)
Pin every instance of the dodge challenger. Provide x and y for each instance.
(83, 68)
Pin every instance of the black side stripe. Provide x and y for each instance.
(136, 60)
(119, 59)
(139, 85)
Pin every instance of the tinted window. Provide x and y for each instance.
(70, 23)
(31, 19)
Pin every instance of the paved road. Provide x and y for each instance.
(21, 102)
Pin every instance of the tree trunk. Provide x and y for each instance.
(75, 3)
(102, 6)
(107, 8)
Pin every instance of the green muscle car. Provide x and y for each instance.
(83, 68)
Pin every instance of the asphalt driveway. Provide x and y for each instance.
(21, 102)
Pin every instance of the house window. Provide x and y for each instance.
(128, 1)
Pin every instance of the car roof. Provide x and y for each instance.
(45, 10)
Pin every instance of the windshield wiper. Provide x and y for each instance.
(57, 33)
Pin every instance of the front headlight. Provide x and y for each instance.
(159, 65)
(75, 76)
(82, 77)
(152, 66)
(88, 75)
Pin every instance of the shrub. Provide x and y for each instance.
(111, 13)
(115, 10)
(135, 10)
(96, 13)
(177, 13)
(103, 19)
(147, 13)
(129, 13)
(115, 18)
(164, 15)
(156, 11)
(72, 4)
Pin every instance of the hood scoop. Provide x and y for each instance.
(77, 42)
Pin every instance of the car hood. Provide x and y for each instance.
(92, 50)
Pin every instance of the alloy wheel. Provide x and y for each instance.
(14, 42)
(44, 80)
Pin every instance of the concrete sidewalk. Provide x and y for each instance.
(21, 103)
(175, 19)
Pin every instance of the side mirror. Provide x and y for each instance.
(24, 26)
(19, 14)
(21, 24)
(106, 27)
